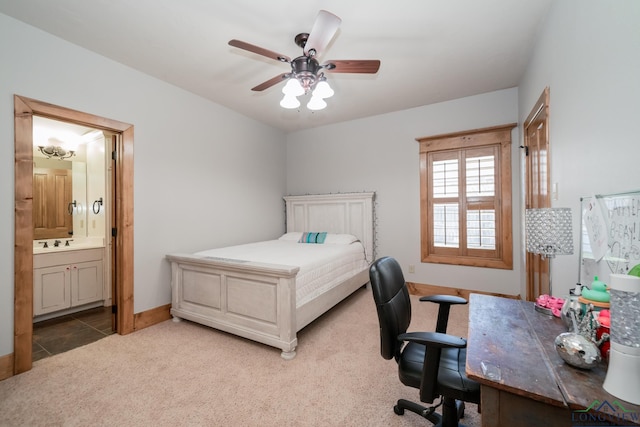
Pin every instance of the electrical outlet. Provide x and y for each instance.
(412, 268)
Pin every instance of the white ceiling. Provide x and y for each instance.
(431, 50)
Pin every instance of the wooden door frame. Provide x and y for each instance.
(24, 110)
(541, 107)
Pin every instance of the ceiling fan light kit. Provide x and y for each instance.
(298, 86)
(307, 74)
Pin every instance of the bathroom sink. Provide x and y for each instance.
(73, 246)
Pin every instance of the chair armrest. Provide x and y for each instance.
(434, 339)
(444, 299)
(444, 302)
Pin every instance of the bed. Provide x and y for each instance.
(269, 298)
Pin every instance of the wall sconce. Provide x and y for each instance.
(54, 151)
(549, 233)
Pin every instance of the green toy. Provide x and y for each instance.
(598, 291)
(635, 271)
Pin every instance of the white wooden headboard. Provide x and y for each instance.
(343, 213)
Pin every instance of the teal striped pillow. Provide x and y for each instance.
(312, 237)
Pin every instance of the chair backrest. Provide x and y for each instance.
(391, 296)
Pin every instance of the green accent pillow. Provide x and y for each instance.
(313, 237)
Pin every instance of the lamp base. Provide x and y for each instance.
(622, 367)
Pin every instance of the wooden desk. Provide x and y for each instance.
(536, 387)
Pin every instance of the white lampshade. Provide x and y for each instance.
(323, 90)
(290, 102)
(316, 103)
(293, 88)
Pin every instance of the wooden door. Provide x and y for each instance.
(537, 195)
(51, 198)
(113, 255)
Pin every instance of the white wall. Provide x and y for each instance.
(588, 53)
(204, 176)
(381, 154)
(589, 57)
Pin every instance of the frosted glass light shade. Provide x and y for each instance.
(549, 231)
(316, 103)
(290, 102)
(293, 88)
(323, 90)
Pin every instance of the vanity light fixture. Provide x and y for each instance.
(55, 151)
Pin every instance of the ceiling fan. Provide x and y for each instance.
(307, 74)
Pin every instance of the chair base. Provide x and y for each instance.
(452, 411)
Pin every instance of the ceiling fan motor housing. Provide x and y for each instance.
(305, 69)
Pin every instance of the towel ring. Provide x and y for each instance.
(71, 206)
(96, 206)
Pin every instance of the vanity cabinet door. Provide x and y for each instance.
(52, 287)
(86, 282)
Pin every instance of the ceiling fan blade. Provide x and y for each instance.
(322, 32)
(366, 66)
(259, 50)
(271, 82)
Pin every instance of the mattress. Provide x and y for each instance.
(322, 266)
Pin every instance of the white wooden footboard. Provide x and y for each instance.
(253, 300)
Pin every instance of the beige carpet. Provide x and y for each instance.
(183, 374)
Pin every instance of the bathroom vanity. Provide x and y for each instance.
(66, 278)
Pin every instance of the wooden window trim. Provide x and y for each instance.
(497, 136)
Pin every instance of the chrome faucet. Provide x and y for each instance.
(56, 243)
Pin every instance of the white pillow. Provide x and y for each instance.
(291, 237)
(340, 239)
(331, 239)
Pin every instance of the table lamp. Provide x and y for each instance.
(624, 356)
(549, 232)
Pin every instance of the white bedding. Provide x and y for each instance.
(322, 266)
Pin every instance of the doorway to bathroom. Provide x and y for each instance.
(121, 260)
(72, 178)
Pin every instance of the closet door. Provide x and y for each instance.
(536, 142)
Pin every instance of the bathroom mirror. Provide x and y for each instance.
(68, 180)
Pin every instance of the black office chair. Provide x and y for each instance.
(430, 361)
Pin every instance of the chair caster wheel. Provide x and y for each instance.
(398, 410)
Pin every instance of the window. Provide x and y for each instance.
(465, 191)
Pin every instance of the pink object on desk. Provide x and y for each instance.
(552, 303)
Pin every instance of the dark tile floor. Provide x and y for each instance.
(67, 332)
